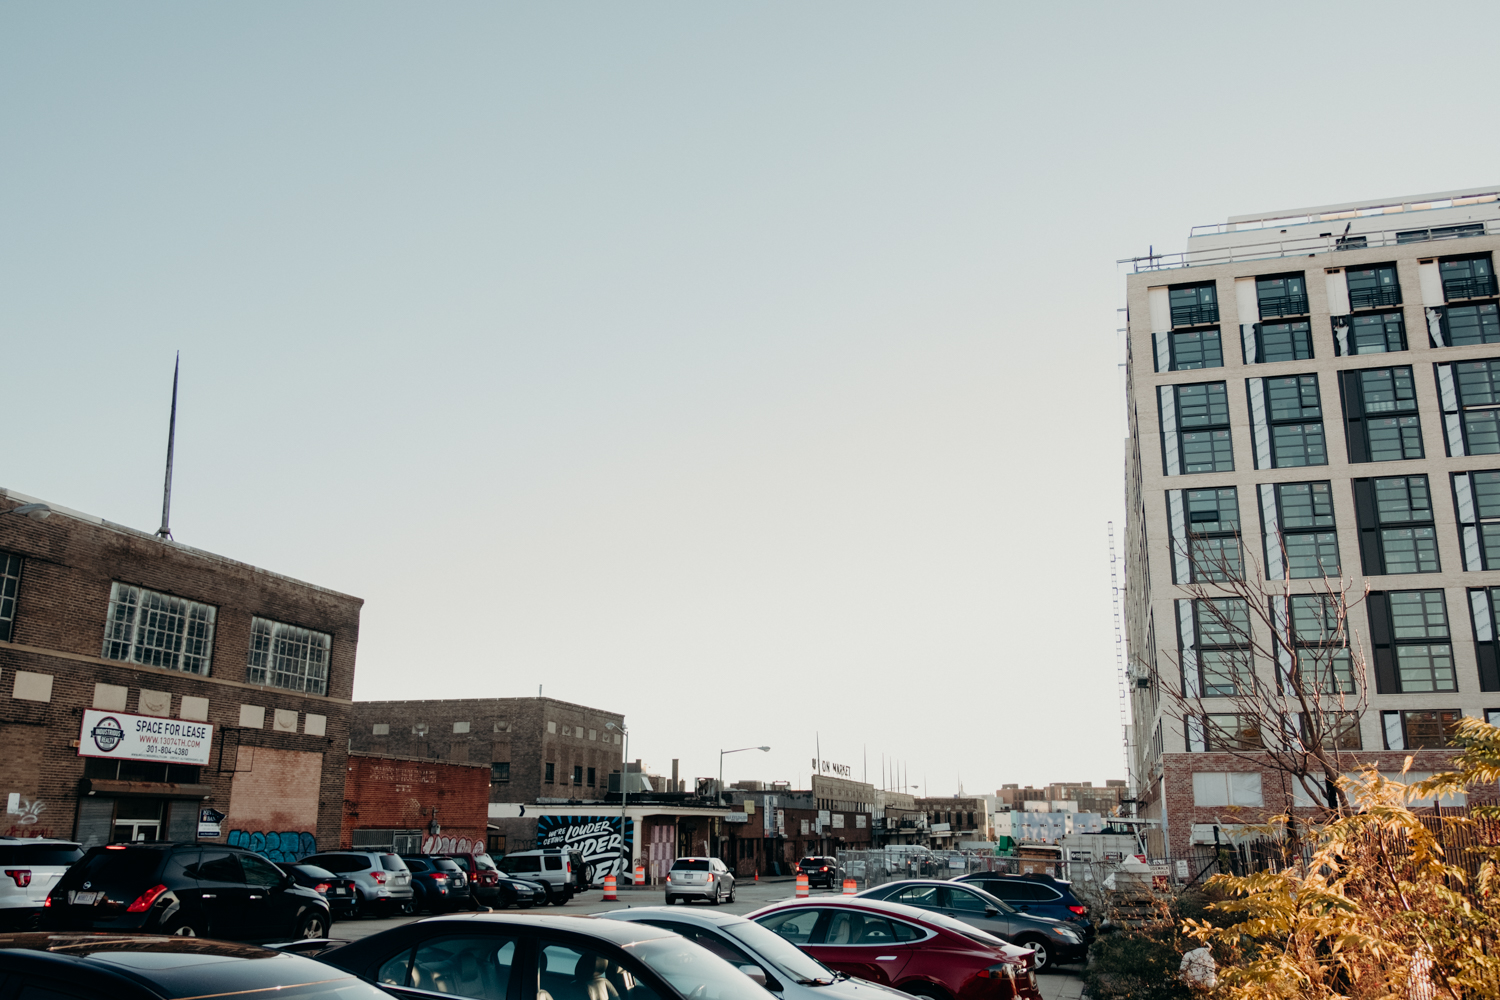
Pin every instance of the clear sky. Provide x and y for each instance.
(750, 369)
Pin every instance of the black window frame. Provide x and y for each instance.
(1288, 300)
(1175, 363)
(1391, 321)
(1463, 280)
(1374, 522)
(1299, 335)
(1484, 495)
(1486, 651)
(1189, 306)
(1386, 642)
(1247, 736)
(1317, 634)
(1322, 528)
(1215, 423)
(1445, 719)
(500, 772)
(1359, 411)
(549, 773)
(1342, 723)
(1306, 388)
(1486, 321)
(1384, 293)
(1481, 378)
(11, 564)
(1207, 506)
(1215, 632)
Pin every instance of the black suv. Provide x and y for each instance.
(184, 889)
(1039, 895)
(439, 883)
(821, 871)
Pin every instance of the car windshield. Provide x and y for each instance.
(782, 953)
(446, 865)
(485, 862)
(690, 865)
(313, 871)
(695, 971)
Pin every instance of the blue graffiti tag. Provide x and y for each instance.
(287, 846)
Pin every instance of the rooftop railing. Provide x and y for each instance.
(1299, 247)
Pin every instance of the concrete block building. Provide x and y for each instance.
(1313, 395)
(150, 690)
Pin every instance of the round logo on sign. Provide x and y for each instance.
(108, 733)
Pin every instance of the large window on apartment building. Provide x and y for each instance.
(1320, 639)
(1194, 305)
(1286, 341)
(1214, 639)
(1413, 650)
(10, 582)
(1195, 428)
(1228, 732)
(1471, 276)
(1469, 394)
(1374, 286)
(1205, 528)
(1429, 729)
(1484, 614)
(1463, 326)
(287, 656)
(1281, 295)
(1337, 730)
(1227, 788)
(1301, 539)
(1396, 530)
(144, 626)
(1371, 333)
(1190, 349)
(1286, 417)
(1380, 414)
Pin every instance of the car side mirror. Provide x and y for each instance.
(991, 911)
(755, 972)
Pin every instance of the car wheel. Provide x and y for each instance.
(731, 893)
(1042, 958)
(406, 907)
(312, 925)
(925, 990)
(557, 898)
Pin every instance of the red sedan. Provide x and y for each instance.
(916, 951)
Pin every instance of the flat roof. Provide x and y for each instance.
(1350, 206)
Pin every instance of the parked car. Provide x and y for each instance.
(139, 967)
(484, 879)
(561, 873)
(518, 892)
(763, 955)
(699, 878)
(915, 951)
(486, 955)
(438, 884)
(382, 879)
(186, 890)
(1039, 895)
(821, 871)
(341, 893)
(31, 867)
(1053, 940)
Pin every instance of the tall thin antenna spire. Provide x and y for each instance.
(165, 531)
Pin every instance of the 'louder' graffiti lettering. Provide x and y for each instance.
(596, 837)
(290, 845)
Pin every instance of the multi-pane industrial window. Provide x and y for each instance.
(286, 656)
(144, 626)
(1283, 341)
(1320, 640)
(1462, 326)
(1373, 287)
(1421, 730)
(1469, 277)
(1484, 602)
(1195, 349)
(10, 581)
(1205, 529)
(1396, 532)
(1300, 531)
(1195, 428)
(1372, 333)
(1194, 305)
(1412, 646)
(1380, 414)
(1469, 394)
(1288, 422)
(1281, 295)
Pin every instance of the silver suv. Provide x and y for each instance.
(704, 878)
(381, 878)
(558, 871)
(31, 867)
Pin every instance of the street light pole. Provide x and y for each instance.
(720, 797)
(35, 511)
(624, 774)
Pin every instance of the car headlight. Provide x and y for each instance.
(1067, 934)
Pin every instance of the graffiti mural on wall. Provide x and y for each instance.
(24, 814)
(290, 845)
(452, 845)
(596, 837)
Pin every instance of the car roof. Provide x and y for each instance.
(201, 965)
(968, 887)
(614, 931)
(696, 857)
(24, 841)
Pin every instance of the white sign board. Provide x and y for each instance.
(736, 817)
(143, 737)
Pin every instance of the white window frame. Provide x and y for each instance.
(1227, 788)
(140, 620)
(282, 656)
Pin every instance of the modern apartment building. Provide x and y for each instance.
(1313, 395)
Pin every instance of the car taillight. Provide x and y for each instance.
(823, 869)
(379, 877)
(144, 900)
(1078, 910)
(440, 878)
(22, 876)
(568, 867)
(47, 902)
(321, 887)
(710, 876)
(114, 847)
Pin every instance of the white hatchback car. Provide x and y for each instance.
(31, 867)
(702, 878)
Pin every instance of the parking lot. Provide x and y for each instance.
(1064, 984)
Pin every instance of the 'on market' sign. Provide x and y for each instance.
(144, 737)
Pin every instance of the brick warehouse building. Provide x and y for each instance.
(143, 681)
(414, 804)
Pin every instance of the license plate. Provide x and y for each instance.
(341, 892)
(83, 898)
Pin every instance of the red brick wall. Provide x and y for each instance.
(383, 793)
